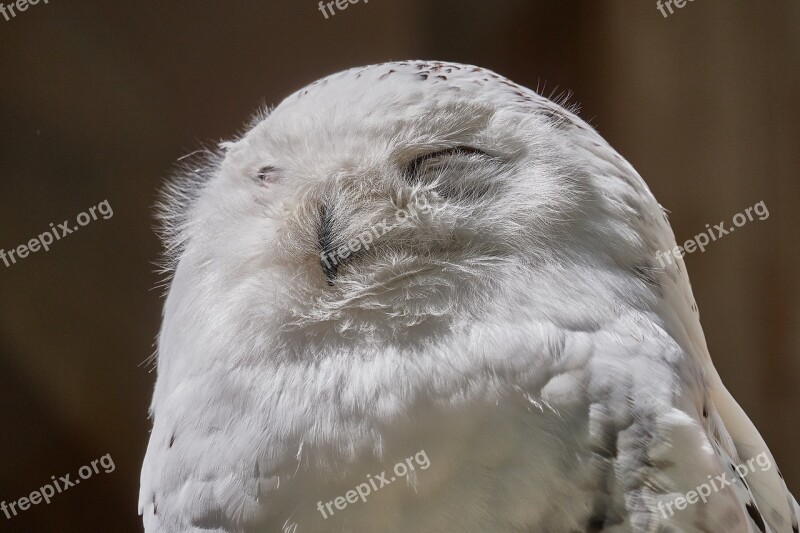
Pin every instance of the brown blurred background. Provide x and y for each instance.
(98, 99)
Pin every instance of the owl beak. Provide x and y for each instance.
(330, 270)
(328, 258)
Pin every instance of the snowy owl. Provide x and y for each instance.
(418, 297)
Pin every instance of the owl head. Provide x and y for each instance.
(405, 198)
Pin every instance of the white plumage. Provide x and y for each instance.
(520, 330)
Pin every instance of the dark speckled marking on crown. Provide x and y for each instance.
(441, 72)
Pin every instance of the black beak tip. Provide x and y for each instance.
(329, 261)
(330, 271)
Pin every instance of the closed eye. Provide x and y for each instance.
(417, 167)
(461, 173)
